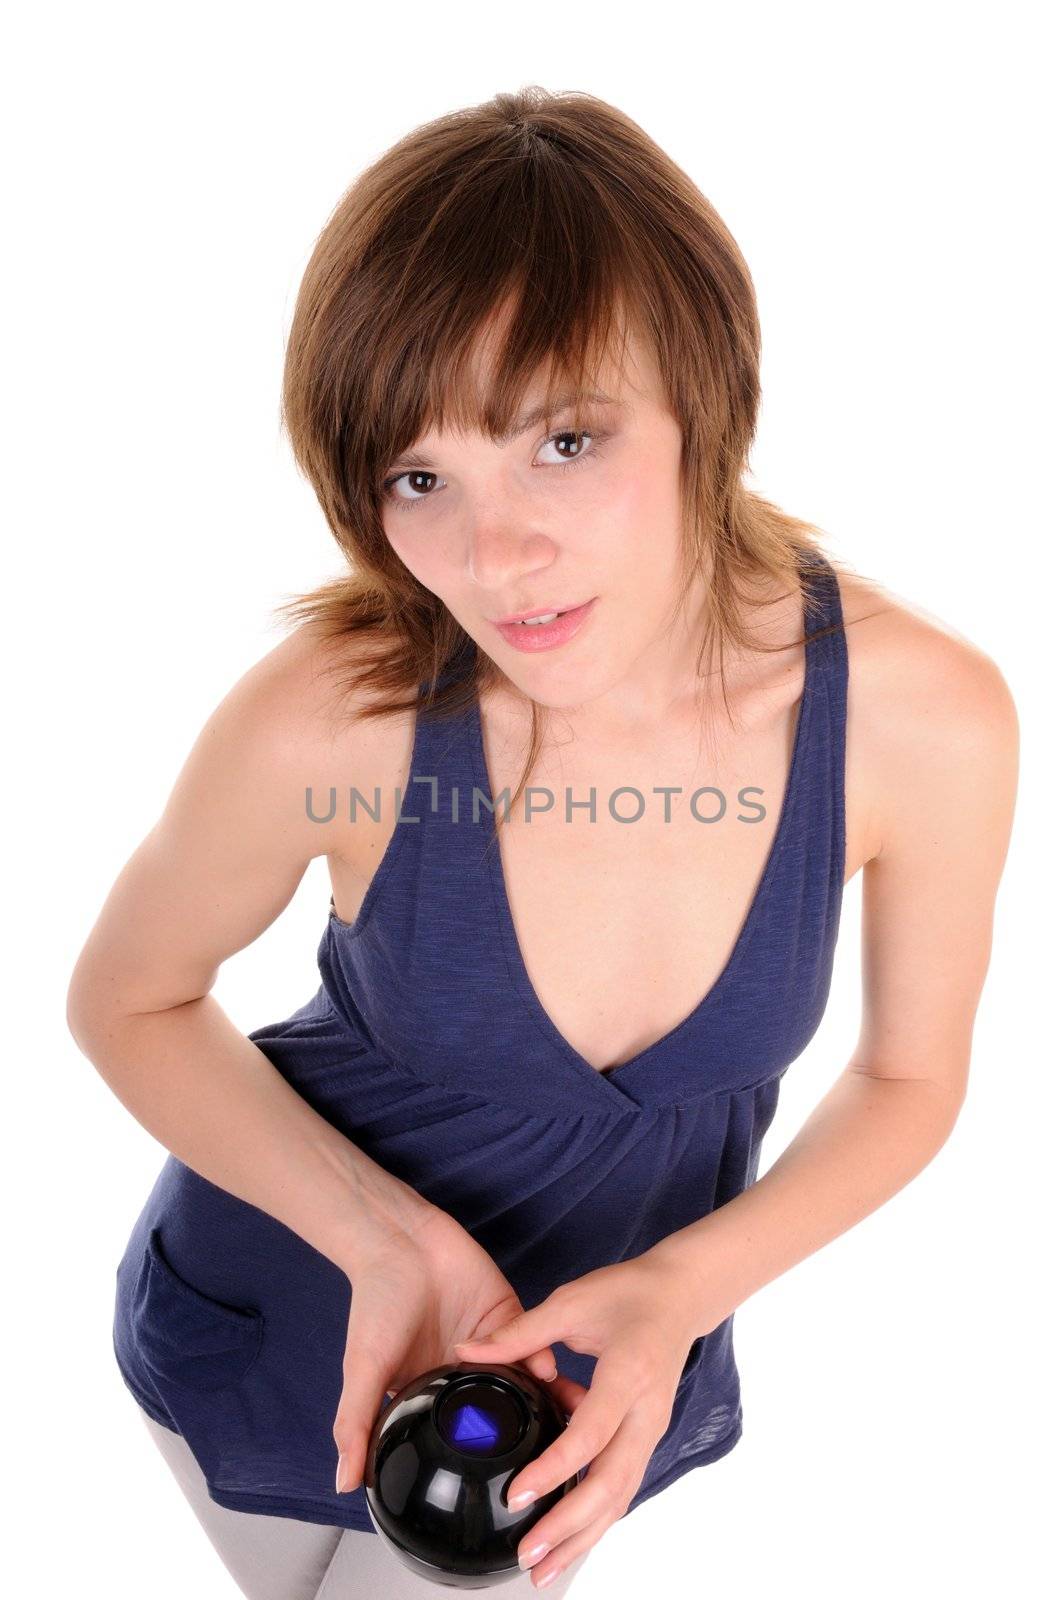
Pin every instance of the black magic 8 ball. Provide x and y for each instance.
(440, 1459)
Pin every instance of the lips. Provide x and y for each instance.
(545, 635)
(540, 611)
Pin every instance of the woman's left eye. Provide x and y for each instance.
(402, 504)
(571, 433)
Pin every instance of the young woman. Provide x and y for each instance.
(521, 1118)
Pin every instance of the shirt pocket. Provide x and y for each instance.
(186, 1338)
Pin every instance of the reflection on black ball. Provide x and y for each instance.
(440, 1460)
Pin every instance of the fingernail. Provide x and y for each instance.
(341, 1473)
(525, 1498)
(533, 1555)
(548, 1577)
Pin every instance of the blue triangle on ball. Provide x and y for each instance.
(473, 1427)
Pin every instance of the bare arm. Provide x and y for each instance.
(943, 754)
(218, 868)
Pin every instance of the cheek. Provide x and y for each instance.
(425, 558)
(637, 526)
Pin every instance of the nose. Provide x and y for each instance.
(502, 552)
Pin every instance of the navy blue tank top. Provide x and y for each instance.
(230, 1329)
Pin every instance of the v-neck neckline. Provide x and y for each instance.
(515, 962)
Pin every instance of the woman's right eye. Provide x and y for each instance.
(400, 500)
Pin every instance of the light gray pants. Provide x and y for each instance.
(282, 1558)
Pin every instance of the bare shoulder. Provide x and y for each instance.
(310, 725)
(299, 702)
(930, 712)
(288, 739)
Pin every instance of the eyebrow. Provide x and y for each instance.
(530, 419)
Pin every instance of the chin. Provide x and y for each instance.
(565, 689)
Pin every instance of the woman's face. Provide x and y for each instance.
(551, 520)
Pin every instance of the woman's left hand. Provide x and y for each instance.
(636, 1317)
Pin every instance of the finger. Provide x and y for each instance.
(560, 1556)
(542, 1365)
(351, 1434)
(590, 1427)
(360, 1404)
(601, 1497)
(524, 1335)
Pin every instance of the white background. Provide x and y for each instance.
(889, 175)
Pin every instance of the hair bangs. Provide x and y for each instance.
(492, 350)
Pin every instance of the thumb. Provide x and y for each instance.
(523, 1335)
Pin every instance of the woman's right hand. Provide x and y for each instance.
(415, 1294)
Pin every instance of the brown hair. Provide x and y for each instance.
(561, 209)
